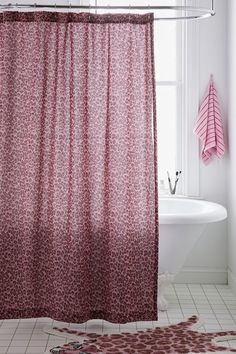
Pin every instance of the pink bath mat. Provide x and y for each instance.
(180, 338)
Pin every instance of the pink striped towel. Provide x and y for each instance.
(209, 127)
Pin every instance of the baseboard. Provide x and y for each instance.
(201, 275)
(232, 280)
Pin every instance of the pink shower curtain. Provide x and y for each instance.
(78, 197)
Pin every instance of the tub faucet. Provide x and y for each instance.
(177, 176)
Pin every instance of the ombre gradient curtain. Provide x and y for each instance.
(78, 198)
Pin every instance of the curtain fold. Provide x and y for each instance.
(78, 178)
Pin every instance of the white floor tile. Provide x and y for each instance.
(6, 337)
(60, 324)
(215, 305)
(184, 302)
(7, 324)
(5, 342)
(16, 350)
(78, 326)
(213, 327)
(223, 316)
(44, 319)
(144, 325)
(37, 343)
(3, 350)
(54, 340)
(227, 322)
(110, 327)
(218, 306)
(209, 322)
(36, 350)
(232, 343)
(228, 327)
(22, 336)
(23, 331)
(7, 330)
(94, 326)
(26, 325)
(19, 343)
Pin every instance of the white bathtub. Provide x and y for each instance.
(182, 221)
(189, 211)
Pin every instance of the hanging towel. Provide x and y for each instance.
(209, 126)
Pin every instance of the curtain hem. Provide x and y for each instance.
(80, 317)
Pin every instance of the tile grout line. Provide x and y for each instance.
(228, 311)
(210, 304)
(167, 308)
(178, 303)
(193, 301)
(31, 336)
(225, 305)
(12, 336)
(48, 336)
(208, 301)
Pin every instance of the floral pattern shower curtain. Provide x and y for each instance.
(78, 198)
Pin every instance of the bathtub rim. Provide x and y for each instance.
(216, 212)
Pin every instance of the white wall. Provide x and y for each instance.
(232, 144)
(208, 260)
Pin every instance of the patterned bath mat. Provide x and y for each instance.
(180, 338)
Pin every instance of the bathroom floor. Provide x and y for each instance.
(215, 305)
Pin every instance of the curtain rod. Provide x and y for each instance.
(202, 12)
